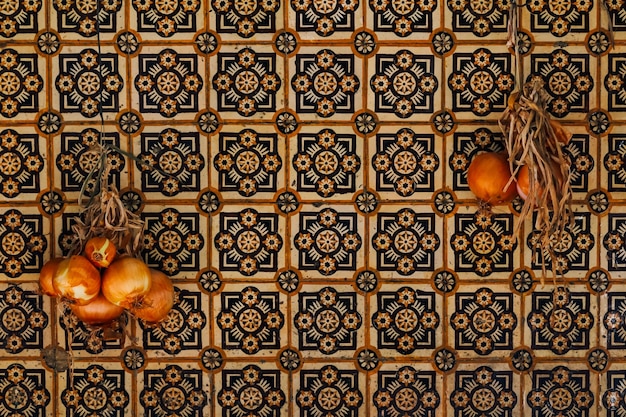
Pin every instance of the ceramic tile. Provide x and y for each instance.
(24, 72)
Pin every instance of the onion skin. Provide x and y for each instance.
(77, 280)
(523, 180)
(100, 251)
(98, 311)
(487, 176)
(48, 270)
(126, 281)
(157, 302)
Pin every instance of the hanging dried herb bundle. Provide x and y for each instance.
(534, 142)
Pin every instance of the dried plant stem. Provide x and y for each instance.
(534, 140)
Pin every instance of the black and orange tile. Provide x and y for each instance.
(310, 204)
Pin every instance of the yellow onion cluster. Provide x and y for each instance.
(101, 285)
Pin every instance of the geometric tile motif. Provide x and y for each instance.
(560, 392)
(89, 83)
(566, 79)
(182, 327)
(95, 391)
(171, 161)
(172, 241)
(560, 321)
(617, 16)
(250, 320)
(614, 242)
(327, 241)
(166, 18)
(403, 19)
(406, 320)
(20, 83)
(248, 242)
(466, 146)
(483, 321)
(324, 18)
(20, 163)
(87, 18)
(578, 153)
(245, 18)
(394, 152)
(19, 17)
(329, 389)
(404, 83)
(481, 81)
(24, 392)
(22, 320)
(407, 392)
(614, 321)
(559, 18)
(22, 243)
(246, 82)
(405, 242)
(483, 242)
(615, 162)
(78, 163)
(571, 249)
(326, 162)
(173, 392)
(168, 83)
(248, 162)
(613, 398)
(327, 321)
(483, 392)
(251, 391)
(325, 83)
(94, 340)
(480, 18)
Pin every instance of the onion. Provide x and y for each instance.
(100, 251)
(98, 311)
(158, 301)
(126, 281)
(48, 270)
(77, 280)
(523, 180)
(488, 175)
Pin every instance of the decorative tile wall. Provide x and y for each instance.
(311, 206)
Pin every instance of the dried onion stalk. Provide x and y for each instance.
(533, 139)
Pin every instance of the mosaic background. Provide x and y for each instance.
(311, 207)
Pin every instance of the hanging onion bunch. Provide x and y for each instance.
(103, 276)
(538, 166)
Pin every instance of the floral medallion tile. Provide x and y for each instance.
(324, 387)
(248, 163)
(580, 152)
(95, 389)
(252, 389)
(485, 321)
(168, 83)
(407, 242)
(328, 241)
(404, 84)
(24, 243)
(569, 78)
(474, 20)
(172, 162)
(176, 20)
(22, 161)
(325, 83)
(326, 163)
(476, 389)
(612, 84)
(22, 20)
(25, 316)
(479, 81)
(561, 320)
(85, 22)
(406, 320)
(612, 323)
(559, 22)
(165, 389)
(407, 388)
(246, 82)
(329, 321)
(248, 242)
(250, 320)
(22, 89)
(258, 20)
(317, 21)
(27, 389)
(392, 22)
(404, 163)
